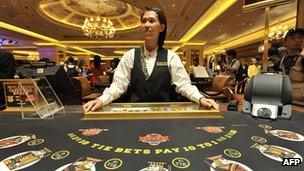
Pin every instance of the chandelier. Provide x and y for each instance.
(97, 27)
(277, 33)
(218, 51)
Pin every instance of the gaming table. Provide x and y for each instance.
(234, 142)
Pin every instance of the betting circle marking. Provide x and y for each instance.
(35, 142)
(113, 163)
(60, 155)
(258, 139)
(264, 126)
(180, 162)
(232, 153)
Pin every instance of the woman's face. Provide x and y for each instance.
(254, 61)
(151, 26)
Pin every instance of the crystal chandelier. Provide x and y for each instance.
(277, 33)
(97, 27)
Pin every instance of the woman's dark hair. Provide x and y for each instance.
(258, 57)
(162, 19)
(71, 60)
(97, 61)
(223, 58)
(232, 53)
(272, 51)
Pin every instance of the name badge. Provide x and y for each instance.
(161, 64)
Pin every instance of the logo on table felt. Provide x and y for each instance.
(84, 163)
(291, 161)
(92, 131)
(277, 153)
(15, 140)
(220, 163)
(153, 139)
(285, 134)
(212, 129)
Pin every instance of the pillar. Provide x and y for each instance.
(300, 14)
(191, 52)
(53, 53)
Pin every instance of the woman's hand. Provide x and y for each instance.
(92, 105)
(302, 54)
(209, 103)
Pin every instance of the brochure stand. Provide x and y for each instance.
(44, 100)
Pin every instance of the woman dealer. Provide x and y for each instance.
(149, 71)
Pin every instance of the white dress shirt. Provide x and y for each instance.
(122, 76)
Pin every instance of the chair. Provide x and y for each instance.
(219, 88)
(88, 93)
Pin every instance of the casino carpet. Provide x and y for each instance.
(194, 145)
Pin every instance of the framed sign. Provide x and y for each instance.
(251, 5)
(14, 94)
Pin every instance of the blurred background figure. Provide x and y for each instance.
(7, 70)
(255, 67)
(221, 62)
(292, 63)
(71, 68)
(83, 70)
(232, 67)
(274, 59)
(98, 69)
(114, 63)
(241, 77)
(195, 63)
(294, 44)
(233, 64)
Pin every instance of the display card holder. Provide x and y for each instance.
(42, 98)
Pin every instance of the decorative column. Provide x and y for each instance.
(52, 52)
(201, 57)
(300, 14)
(85, 59)
(266, 43)
(192, 52)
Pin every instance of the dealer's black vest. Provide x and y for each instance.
(157, 87)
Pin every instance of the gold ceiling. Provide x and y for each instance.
(73, 12)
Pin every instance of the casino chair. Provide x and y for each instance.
(88, 93)
(219, 88)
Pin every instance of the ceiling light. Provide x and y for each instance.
(278, 32)
(211, 14)
(97, 27)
